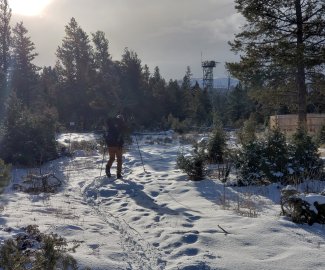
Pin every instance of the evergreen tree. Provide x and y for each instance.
(5, 32)
(175, 100)
(48, 86)
(29, 138)
(75, 68)
(132, 86)
(219, 105)
(159, 98)
(188, 95)
(275, 163)
(24, 74)
(217, 145)
(106, 91)
(247, 133)
(304, 157)
(239, 106)
(283, 45)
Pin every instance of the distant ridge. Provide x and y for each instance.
(218, 82)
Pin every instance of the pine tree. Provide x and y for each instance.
(132, 86)
(283, 45)
(217, 144)
(75, 68)
(158, 104)
(29, 138)
(24, 74)
(105, 98)
(276, 154)
(5, 32)
(304, 157)
(239, 106)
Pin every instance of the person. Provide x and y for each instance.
(114, 138)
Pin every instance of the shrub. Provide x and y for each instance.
(247, 133)
(216, 145)
(195, 165)
(29, 138)
(248, 162)
(178, 125)
(4, 174)
(272, 159)
(34, 250)
(304, 157)
(276, 157)
(321, 135)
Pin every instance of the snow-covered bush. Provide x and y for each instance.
(248, 162)
(303, 208)
(34, 250)
(275, 156)
(272, 159)
(193, 165)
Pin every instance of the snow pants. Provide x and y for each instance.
(115, 152)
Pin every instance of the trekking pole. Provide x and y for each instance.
(136, 139)
(101, 167)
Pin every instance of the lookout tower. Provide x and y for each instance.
(208, 74)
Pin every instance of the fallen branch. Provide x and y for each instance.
(223, 230)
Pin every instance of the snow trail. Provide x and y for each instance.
(158, 219)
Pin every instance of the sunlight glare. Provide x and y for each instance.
(28, 7)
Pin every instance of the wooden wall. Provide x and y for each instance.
(288, 123)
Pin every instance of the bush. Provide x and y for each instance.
(216, 145)
(321, 135)
(304, 157)
(247, 133)
(4, 174)
(29, 138)
(271, 159)
(275, 156)
(195, 165)
(178, 125)
(34, 250)
(248, 162)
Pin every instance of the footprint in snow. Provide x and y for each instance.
(190, 238)
(154, 193)
(136, 218)
(189, 252)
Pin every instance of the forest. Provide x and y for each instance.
(86, 86)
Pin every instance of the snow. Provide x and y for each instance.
(311, 199)
(155, 218)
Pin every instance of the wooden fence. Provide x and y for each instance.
(288, 123)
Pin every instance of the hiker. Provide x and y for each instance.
(114, 137)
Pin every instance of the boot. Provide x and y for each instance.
(107, 170)
(118, 176)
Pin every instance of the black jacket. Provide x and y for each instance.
(115, 131)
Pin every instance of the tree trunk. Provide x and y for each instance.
(301, 76)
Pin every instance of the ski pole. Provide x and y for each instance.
(101, 167)
(136, 139)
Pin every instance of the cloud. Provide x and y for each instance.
(170, 34)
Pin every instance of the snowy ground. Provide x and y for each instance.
(157, 219)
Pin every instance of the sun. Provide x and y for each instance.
(28, 7)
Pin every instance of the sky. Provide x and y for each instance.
(170, 34)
